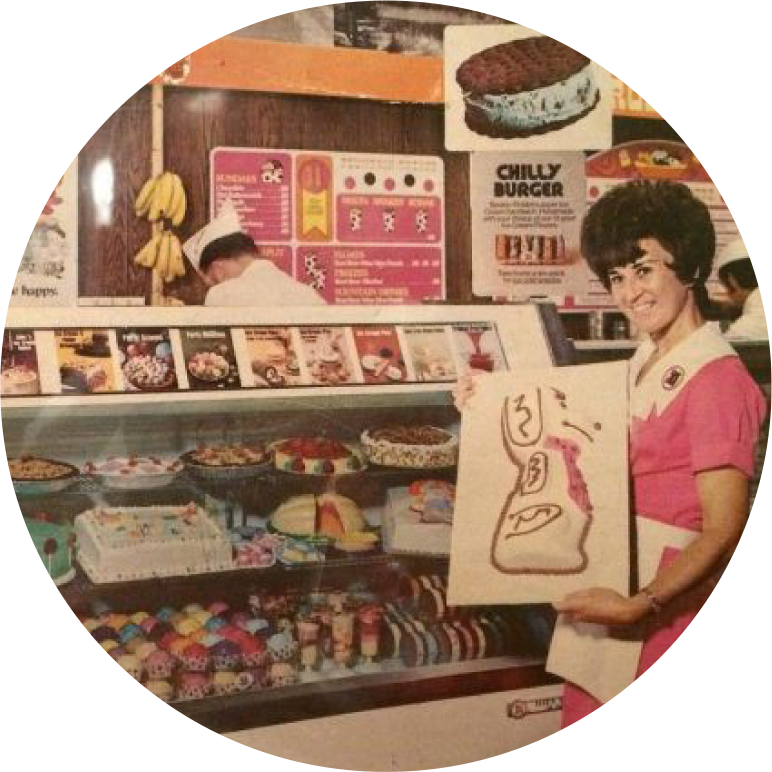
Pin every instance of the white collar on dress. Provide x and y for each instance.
(662, 384)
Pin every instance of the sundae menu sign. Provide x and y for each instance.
(358, 228)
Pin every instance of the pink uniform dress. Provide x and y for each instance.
(696, 409)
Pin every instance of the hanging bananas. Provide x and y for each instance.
(163, 253)
(162, 196)
(162, 200)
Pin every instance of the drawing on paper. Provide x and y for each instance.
(547, 515)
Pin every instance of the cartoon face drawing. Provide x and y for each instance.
(310, 261)
(389, 220)
(546, 517)
(355, 219)
(421, 221)
(272, 173)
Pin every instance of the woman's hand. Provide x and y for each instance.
(603, 606)
(464, 390)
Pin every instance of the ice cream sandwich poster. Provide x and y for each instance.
(526, 211)
(508, 87)
(19, 370)
(274, 358)
(38, 222)
(542, 494)
(358, 228)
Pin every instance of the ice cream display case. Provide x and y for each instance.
(251, 511)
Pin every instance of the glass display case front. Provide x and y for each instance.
(259, 554)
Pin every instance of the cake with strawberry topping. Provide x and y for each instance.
(316, 456)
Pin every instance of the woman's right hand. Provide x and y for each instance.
(465, 389)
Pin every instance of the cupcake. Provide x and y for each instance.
(159, 665)
(195, 658)
(194, 686)
(226, 655)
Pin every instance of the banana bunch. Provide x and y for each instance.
(163, 253)
(162, 196)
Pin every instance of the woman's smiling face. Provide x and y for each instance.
(651, 296)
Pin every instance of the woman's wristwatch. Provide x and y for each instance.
(655, 604)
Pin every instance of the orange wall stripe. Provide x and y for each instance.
(262, 65)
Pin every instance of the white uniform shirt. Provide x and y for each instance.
(752, 324)
(262, 284)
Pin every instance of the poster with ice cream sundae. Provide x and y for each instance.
(478, 348)
(19, 374)
(542, 496)
(38, 222)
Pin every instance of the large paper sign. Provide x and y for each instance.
(358, 228)
(511, 88)
(38, 222)
(542, 495)
(527, 211)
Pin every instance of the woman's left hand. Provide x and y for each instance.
(603, 606)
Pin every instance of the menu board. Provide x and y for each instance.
(358, 228)
(140, 360)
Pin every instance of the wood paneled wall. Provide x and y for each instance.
(197, 120)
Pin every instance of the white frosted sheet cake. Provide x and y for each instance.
(118, 544)
(404, 532)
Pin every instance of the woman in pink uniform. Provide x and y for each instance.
(694, 417)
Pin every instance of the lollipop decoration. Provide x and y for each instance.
(50, 546)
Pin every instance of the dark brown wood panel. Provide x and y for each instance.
(199, 120)
(106, 247)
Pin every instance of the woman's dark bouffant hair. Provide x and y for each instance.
(640, 209)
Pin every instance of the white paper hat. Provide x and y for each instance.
(734, 250)
(226, 223)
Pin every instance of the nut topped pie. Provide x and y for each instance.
(416, 447)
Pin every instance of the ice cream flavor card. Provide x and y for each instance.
(380, 354)
(329, 355)
(85, 361)
(542, 496)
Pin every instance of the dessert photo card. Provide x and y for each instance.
(85, 361)
(542, 496)
(508, 87)
(19, 374)
(329, 355)
(273, 356)
(146, 360)
(380, 354)
(210, 361)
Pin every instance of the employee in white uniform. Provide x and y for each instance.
(228, 261)
(736, 274)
